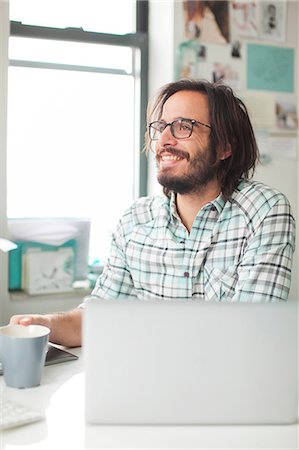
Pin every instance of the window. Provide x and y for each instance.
(76, 112)
(117, 16)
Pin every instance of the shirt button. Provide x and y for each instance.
(186, 274)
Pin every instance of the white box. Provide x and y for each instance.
(48, 272)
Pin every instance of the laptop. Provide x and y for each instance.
(190, 362)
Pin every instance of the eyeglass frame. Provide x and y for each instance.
(170, 124)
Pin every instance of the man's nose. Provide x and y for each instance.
(166, 137)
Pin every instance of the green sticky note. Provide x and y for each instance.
(270, 68)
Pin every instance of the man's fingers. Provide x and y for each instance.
(15, 320)
(26, 320)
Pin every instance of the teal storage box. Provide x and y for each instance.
(15, 259)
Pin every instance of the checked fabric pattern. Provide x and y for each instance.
(238, 250)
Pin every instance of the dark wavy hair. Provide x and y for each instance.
(231, 129)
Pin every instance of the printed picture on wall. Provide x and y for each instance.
(273, 20)
(207, 20)
(236, 49)
(244, 18)
(227, 73)
(286, 114)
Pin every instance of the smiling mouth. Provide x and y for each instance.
(172, 155)
(170, 158)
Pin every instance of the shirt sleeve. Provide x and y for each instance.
(115, 279)
(264, 273)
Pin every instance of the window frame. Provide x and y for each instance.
(138, 40)
(15, 303)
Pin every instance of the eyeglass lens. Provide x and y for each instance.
(179, 128)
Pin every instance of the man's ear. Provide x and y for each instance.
(225, 153)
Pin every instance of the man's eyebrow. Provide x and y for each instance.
(177, 118)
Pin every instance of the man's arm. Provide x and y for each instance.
(265, 270)
(116, 279)
(66, 327)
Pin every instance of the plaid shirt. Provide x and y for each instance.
(238, 250)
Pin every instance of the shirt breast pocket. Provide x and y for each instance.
(220, 284)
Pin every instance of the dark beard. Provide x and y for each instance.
(203, 169)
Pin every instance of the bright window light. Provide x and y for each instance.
(116, 16)
(71, 147)
(75, 53)
(74, 111)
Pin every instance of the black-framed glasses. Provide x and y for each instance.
(180, 128)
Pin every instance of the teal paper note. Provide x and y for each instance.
(270, 68)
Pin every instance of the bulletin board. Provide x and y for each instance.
(243, 43)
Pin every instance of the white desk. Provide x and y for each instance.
(61, 396)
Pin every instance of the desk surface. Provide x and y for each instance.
(61, 397)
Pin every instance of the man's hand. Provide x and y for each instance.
(65, 327)
(31, 319)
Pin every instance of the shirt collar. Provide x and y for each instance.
(218, 203)
(172, 208)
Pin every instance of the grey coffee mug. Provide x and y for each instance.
(23, 352)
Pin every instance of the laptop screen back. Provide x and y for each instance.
(190, 362)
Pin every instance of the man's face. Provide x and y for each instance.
(186, 165)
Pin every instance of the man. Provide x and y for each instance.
(213, 235)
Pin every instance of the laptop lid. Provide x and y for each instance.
(190, 362)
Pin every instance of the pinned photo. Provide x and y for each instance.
(273, 20)
(202, 53)
(225, 73)
(286, 115)
(207, 21)
(244, 18)
(236, 49)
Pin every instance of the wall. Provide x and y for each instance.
(280, 173)
(161, 60)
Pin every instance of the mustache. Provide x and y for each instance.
(173, 151)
